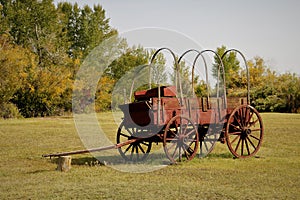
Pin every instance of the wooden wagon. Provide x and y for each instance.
(187, 126)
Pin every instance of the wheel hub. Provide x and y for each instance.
(245, 132)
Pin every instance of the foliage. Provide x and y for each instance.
(268, 90)
(103, 94)
(201, 89)
(158, 70)
(42, 47)
(45, 90)
(13, 60)
(272, 92)
(184, 78)
(84, 28)
(131, 58)
(231, 67)
(9, 110)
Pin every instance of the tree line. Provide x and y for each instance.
(42, 46)
(269, 91)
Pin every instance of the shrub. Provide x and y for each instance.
(9, 110)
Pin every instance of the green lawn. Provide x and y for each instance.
(273, 174)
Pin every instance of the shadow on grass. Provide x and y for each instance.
(228, 156)
(220, 155)
(88, 161)
(118, 160)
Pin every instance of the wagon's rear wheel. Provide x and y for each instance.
(244, 131)
(136, 151)
(180, 139)
(209, 139)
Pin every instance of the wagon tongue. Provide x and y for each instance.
(115, 146)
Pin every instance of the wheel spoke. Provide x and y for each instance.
(141, 148)
(255, 137)
(183, 128)
(248, 122)
(242, 148)
(128, 148)
(180, 156)
(251, 143)
(235, 133)
(188, 148)
(235, 127)
(144, 143)
(237, 121)
(127, 136)
(247, 147)
(238, 136)
(188, 151)
(132, 152)
(257, 129)
(136, 151)
(238, 144)
(190, 132)
(172, 139)
(186, 155)
(129, 131)
(247, 113)
(253, 123)
(171, 146)
(206, 147)
(171, 131)
(173, 155)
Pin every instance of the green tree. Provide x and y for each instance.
(131, 58)
(288, 91)
(158, 70)
(33, 24)
(231, 67)
(85, 27)
(3, 20)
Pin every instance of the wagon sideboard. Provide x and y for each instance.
(201, 110)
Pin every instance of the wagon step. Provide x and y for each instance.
(114, 146)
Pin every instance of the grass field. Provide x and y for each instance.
(273, 174)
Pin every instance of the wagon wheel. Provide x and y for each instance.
(208, 140)
(136, 151)
(180, 139)
(244, 131)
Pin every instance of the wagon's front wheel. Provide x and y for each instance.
(244, 131)
(136, 151)
(180, 139)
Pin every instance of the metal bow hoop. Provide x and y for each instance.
(247, 71)
(205, 64)
(177, 68)
(220, 66)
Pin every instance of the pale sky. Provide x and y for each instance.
(265, 28)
